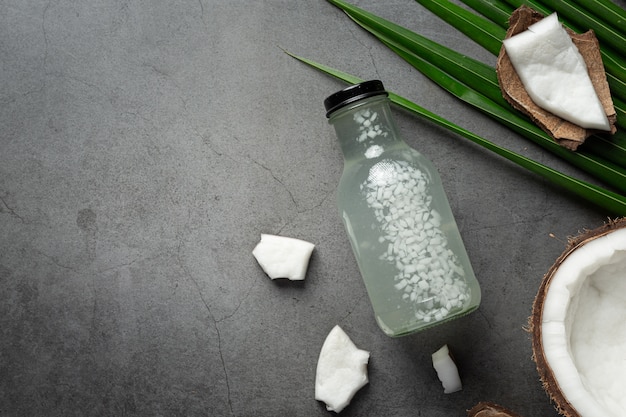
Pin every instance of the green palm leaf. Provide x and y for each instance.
(455, 73)
(608, 200)
(476, 83)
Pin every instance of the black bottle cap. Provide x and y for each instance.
(353, 93)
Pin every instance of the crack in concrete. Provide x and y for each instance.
(206, 139)
(488, 321)
(349, 313)
(232, 314)
(201, 10)
(10, 210)
(278, 180)
(189, 275)
(369, 51)
(137, 115)
(94, 310)
(168, 78)
(45, 39)
(299, 209)
(56, 261)
(118, 266)
(83, 82)
(323, 200)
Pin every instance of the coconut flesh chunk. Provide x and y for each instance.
(447, 371)
(283, 257)
(583, 330)
(341, 370)
(555, 75)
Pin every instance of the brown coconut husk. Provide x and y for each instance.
(550, 384)
(563, 132)
(488, 409)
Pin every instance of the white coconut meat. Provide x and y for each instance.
(447, 371)
(583, 326)
(341, 370)
(283, 257)
(555, 75)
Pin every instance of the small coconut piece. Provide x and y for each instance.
(447, 371)
(283, 257)
(528, 69)
(577, 325)
(341, 370)
(489, 409)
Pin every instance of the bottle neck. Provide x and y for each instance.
(366, 128)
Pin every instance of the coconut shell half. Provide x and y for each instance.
(546, 373)
(563, 132)
(488, 409)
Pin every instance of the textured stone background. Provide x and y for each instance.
(146, 145)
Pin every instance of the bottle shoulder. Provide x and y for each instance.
(399, 170)
(401, 154)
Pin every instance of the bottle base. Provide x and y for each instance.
(419, 326)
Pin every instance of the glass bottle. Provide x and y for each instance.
(402, 231)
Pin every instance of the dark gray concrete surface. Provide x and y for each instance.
(146, 145)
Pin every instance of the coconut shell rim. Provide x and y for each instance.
(549, 382)
(493, 410)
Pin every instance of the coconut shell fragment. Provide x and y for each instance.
(549, 381)
(488, 409)
(565, 133)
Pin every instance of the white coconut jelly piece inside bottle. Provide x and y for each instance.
(398, 219)
(555, 74)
